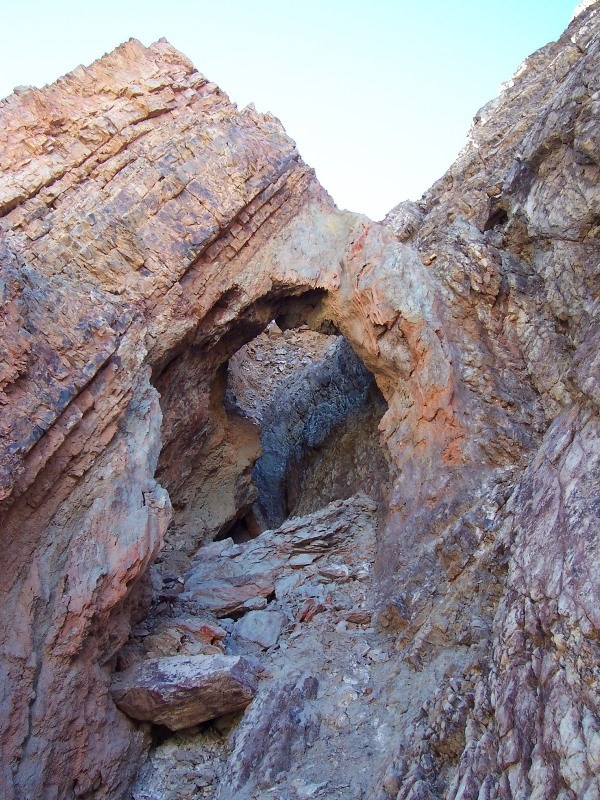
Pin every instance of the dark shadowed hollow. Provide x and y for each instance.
(318, 424)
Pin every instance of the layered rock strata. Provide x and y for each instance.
(149, 230)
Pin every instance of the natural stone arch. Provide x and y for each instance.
(120, 239)
(191, 388)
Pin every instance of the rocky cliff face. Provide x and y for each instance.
(150, 229)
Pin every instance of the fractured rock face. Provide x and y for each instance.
(149, 230)
(300, 421)
(277, 725)
(182, 691)
(318, 411)
(310, 707)
(226, 579)
(259, 371)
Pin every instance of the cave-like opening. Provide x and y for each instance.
(317, 410)
(272, 417)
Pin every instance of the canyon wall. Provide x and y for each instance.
(149, 229)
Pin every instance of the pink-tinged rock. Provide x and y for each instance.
(182, 691)
(146, 236)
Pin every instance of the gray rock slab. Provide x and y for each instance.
(262, 627)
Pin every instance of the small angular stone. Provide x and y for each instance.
(262, 627)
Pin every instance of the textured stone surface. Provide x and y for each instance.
(299, 421)
(333, 698)
(261, 627)
(278, 726)
(224, 578)
(318, 411)
(149, 229)
(182, 691)
(328, 689)
(264, 367)
(116, 182)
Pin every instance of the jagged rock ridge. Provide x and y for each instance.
(149, 230)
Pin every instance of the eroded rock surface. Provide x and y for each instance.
(149, 230)
(330, 684)
(264, 367)
(318, 411)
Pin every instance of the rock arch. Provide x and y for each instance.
(138, 227)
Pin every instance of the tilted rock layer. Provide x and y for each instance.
(149, 230)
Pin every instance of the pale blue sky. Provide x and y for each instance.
(378, 95)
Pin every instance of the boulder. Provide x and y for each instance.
(182, 691)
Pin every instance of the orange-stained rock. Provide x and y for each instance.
(148, 230)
